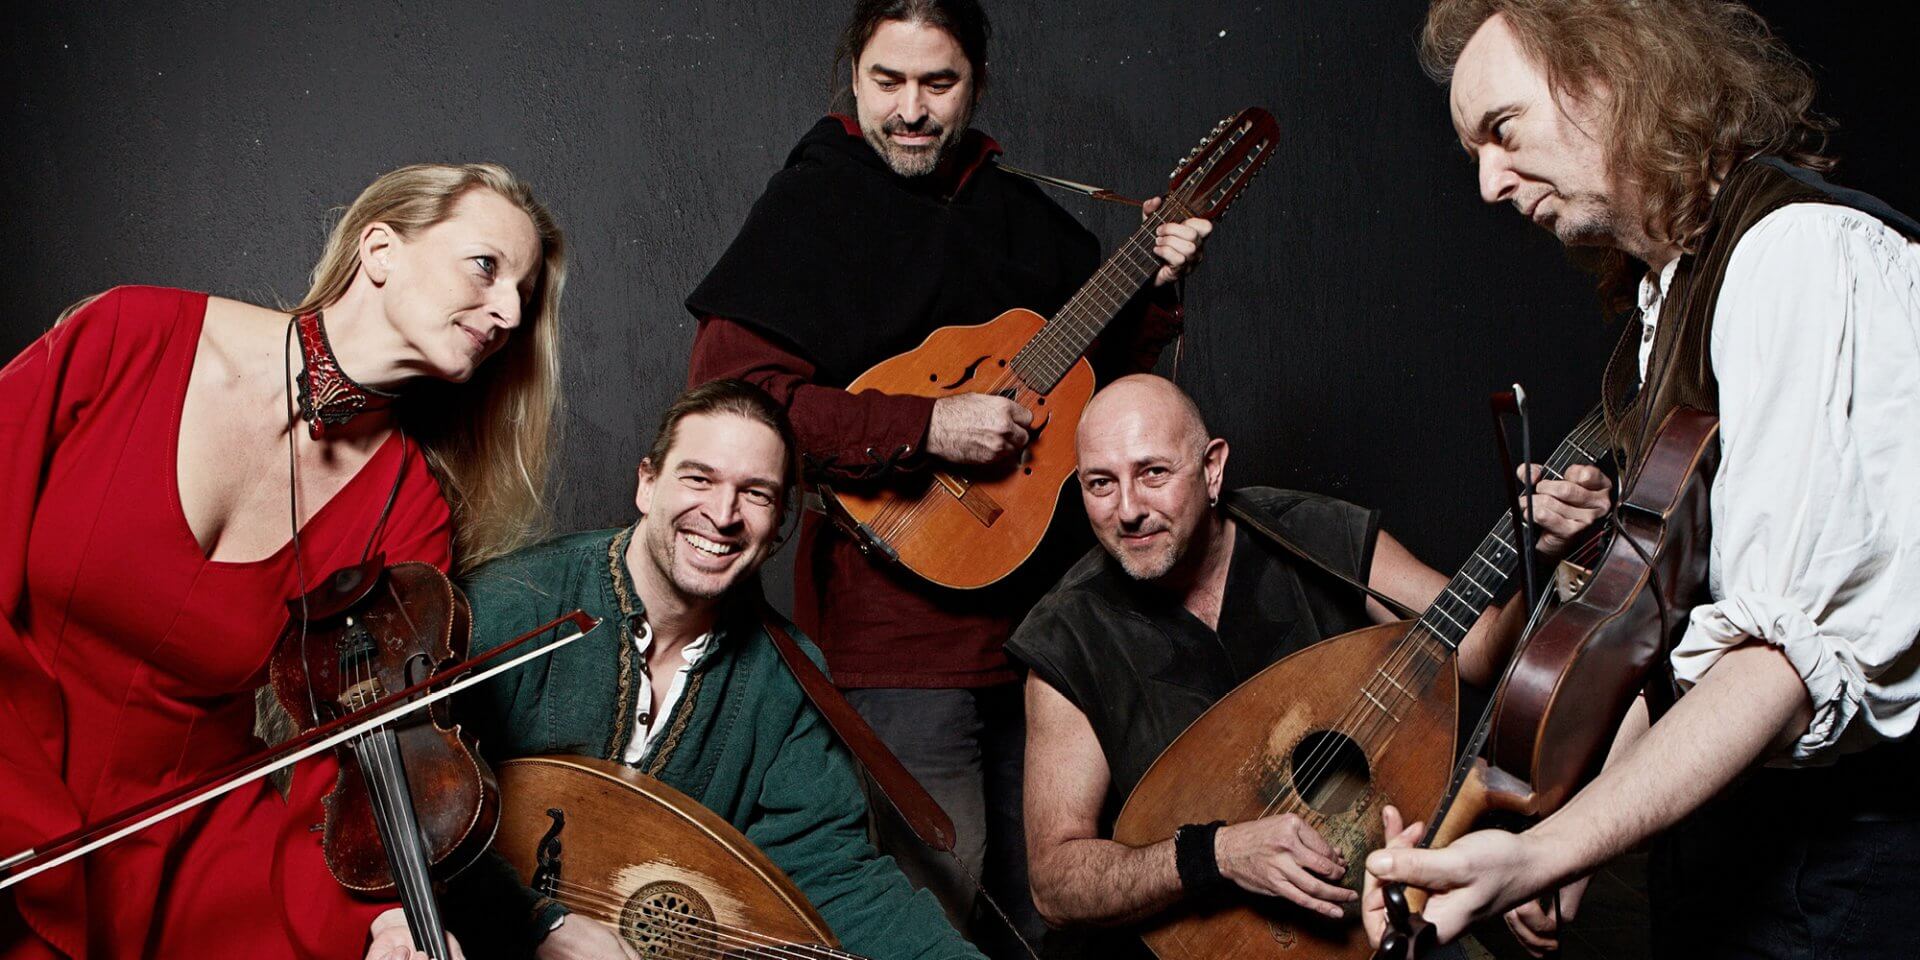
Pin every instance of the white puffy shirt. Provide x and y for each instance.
(1816, 506)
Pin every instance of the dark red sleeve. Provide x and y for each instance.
(842, 435)
(44, 393)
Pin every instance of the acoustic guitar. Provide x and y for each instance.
(671, 877)
(1332, 734)
(970, 526)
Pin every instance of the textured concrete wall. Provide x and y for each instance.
(1355, 308)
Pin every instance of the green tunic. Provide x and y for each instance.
(743, 740)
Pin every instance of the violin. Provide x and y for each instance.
(1578, 670)
(413, 800)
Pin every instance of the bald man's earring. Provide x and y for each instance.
(1213, 501)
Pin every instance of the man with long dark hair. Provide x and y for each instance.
(889, 221)
(1676, 138)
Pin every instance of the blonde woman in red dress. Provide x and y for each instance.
(157, 448)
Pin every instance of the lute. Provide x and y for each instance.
(1331, 733)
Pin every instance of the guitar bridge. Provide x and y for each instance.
(983, 507)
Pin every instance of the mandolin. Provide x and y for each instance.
(1332, 734)
(671, 877)
(967, 527)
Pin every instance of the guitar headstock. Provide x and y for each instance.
(1215, 172)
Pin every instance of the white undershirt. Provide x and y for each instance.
(1816, 506)
(648, 725)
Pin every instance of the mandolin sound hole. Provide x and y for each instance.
(668, 919)
(1329, 771)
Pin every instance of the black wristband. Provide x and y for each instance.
(1194, 858)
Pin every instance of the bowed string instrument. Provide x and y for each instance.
(367, 662)
(1573, 678)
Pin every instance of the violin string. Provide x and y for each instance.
(609, 908)
(1356, 718)
(384, 794)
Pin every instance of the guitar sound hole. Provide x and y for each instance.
(1329, 771)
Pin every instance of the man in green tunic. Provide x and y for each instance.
(682, 682)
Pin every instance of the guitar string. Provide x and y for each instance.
(905, 512)
(1321, 758)
(901, 512)
(897, 516)
(607, 906)
(1350, 723)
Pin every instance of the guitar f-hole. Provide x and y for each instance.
(966, 374)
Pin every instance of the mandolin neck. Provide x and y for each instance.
(1485, 575)
(1065, 338)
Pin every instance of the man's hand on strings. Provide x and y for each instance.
(1282, 856)
(1176, 244)
(1475, 877)
(1567, 508)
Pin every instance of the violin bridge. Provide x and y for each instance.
(1569, 579)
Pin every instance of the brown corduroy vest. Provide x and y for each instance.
(1680, 366)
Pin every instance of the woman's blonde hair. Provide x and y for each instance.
(1697, 87)
(491, 440)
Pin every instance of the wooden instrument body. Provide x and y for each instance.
(1572, 681)
(670, 875)
(975, 524)
(1251, 741)
(413, 622)
(967, 527)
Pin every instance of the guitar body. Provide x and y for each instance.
(971, 526)
(1250, 746)
(967, 527)
(671, 876)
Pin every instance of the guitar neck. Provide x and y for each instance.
(1065, 338)
(1492, 565)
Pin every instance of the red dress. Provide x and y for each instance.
(128, 659)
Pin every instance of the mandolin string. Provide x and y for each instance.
(608, 907)
(1351, 722)
(1316, 762)
(900, 514)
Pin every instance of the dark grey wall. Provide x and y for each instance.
(1355, 309)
